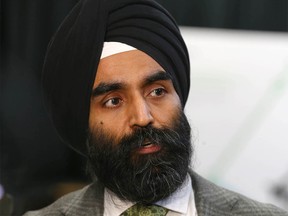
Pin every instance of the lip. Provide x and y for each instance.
(148, 148)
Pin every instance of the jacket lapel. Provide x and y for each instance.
(212, 200)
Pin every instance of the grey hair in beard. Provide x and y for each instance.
(142, 178)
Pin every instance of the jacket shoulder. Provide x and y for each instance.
(57, 207)
(89, 198)
(214, 200)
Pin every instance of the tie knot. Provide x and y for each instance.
(145, 210)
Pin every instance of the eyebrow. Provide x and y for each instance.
(160, 75)
(104, 88)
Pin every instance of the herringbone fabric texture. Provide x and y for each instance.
(145, 210)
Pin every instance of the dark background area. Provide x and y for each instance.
(33, 159)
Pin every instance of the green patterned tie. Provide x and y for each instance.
(145, 210)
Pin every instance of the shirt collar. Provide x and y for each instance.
(177, 201)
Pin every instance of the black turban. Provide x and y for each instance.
(74, 52)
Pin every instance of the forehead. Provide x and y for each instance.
(125, 67)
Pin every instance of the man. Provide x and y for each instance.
(116, 79)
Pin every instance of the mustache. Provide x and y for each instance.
(149, 134)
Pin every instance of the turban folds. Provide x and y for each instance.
(74, 53)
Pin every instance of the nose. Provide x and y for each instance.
(140, 113)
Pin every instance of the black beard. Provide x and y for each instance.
(144, 178)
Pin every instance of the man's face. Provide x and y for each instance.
(139, 144)
(131, 90)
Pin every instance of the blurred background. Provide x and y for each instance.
(237, 106)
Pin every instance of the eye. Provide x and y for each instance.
(112, 102)
(158, 92)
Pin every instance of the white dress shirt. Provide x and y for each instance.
(179, 203)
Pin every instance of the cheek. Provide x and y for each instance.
(112, 126)
(167, 112)
(166, 117)
(95, 122)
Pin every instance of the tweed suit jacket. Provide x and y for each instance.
(211, 200)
